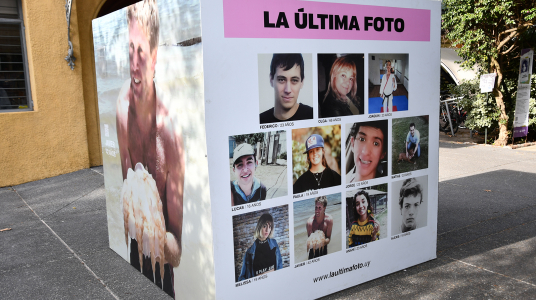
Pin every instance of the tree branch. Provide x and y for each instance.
(521, 26)
(508, 51)
(507, 39)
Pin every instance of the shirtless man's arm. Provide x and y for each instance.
(121, 124)
(328, 221)
(309, 225)
(174, 153)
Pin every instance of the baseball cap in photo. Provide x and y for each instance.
(241, 150)
(314, 141)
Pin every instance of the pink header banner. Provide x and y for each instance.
(292, 19)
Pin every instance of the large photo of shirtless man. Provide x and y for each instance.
(150, 148)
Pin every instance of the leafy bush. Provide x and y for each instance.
(481, 108)
(283, 155)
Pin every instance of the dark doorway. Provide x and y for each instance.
(111, 6)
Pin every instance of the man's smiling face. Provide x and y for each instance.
(142, 61)
(367, 146)
(244, 170)
(287, 85)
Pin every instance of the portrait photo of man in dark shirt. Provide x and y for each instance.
(287, 75)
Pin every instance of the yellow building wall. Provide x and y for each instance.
(61, 134)
(87, 10)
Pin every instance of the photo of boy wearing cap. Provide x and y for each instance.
(319, 174)
(246, 188)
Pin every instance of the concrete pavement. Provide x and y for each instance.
(57, 247)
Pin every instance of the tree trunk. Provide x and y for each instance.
(503, 119)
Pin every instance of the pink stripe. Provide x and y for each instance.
(245, 19)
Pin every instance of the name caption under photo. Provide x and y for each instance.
(371, 116)
(244, 206)
(311, 261)
(356, 248)
(329, 120)
(254, 279)
(401, 175)
(277, 125)
(355, 184)
(309, 193)
(394, 237)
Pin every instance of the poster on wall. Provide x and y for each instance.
(286, 147)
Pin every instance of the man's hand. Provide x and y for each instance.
(172, 250)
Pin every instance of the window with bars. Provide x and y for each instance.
(14, 85)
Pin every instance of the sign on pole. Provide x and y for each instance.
(521, 116)
(487, 82)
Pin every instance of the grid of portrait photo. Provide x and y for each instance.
(335, 169)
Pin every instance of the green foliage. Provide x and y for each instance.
(252, 138)
(481, 108)
(475, 26)
(532, 104)
(283, 155)
(381, 187)
(299, 160)
(489, 35)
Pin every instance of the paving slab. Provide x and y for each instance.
(123, 279)
(29, 244)
(52, 194)
(64, 278)
(13, 210)
(84, 233)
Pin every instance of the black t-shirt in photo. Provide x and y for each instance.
(264, 260)
(309, 181)
(304, 112)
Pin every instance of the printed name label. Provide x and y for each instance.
(400, 235)
(244, 282)
(356, 248)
